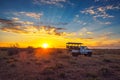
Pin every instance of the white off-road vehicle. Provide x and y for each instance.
(76, 49)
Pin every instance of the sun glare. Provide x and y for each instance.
(45, 45)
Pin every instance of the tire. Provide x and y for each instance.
(89, 54)
(75, 54)
(85, 54)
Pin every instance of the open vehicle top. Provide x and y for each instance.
(73, 45)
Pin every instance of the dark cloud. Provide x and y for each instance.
(51, 30)
(11, 26)
(13, 29)
(7, 22)
(52, 27)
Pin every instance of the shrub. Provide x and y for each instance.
(49, 78)
(11, 60)
(5, 58)
(47, 61)
(12, 65)
(64, 56)
(59, 66)
(38, 63)
(30, 49)
(105, 72)
(59, 51)
(13, 51)
(47, 71)
(62, 75)
(72, 62)
(15, 60)
(28, 62)
(106, 60)
(91, 76)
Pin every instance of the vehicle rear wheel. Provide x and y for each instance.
(85, 54)
(75, 54)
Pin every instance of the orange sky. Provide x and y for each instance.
(53, 38)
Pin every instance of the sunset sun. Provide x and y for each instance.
(45, 45)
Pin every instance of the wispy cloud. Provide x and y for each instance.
(15, 29)
(15, 19)
(29, 14)
(52, 2)
(101, 0)
(100, 12)
(104, 0)
(77, 19)
(54, 23)
(84, 32)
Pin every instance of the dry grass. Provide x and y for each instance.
(58, 64)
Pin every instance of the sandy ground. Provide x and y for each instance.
(58, 64)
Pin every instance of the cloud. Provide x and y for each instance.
(28, 27)
(107, 23)
(29, 14)
(58, 3)
(107, 34)
(77, 19)
(105, 1)
(15, 19)
(25, 23)
(101, 0)
(84, 32)
(42, 30)
(108, 43)
(15, 29)
(6, 22)
(100, 12)
(14, 22)
(80, 22)
(54, 23)
(14, 25)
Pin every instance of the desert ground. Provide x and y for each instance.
(58, 64)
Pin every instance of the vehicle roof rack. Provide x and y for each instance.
(73, 43)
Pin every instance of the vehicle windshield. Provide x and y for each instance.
(85, 47)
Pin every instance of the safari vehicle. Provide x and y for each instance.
(77, 49)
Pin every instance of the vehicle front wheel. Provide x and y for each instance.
(89, 54)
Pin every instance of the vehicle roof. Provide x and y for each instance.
(73, 43)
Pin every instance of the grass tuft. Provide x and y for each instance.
(12, 65)
(49, 78)
(48, 71)
(91, 76)
(107, 60)
(62, 75)
(105, 72)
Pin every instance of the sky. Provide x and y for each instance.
(95, 23)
